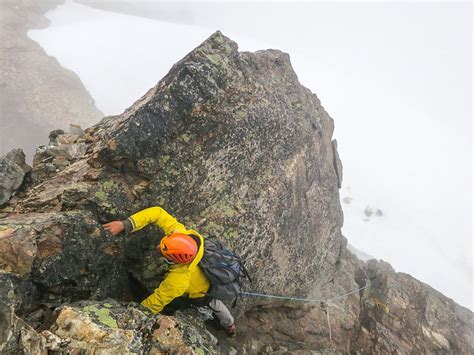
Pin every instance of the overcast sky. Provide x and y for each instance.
(395, 76)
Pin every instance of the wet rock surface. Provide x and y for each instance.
(232, 145)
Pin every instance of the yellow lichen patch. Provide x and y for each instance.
(77, 326)
(96, 233)
(379, 304)
(399, 301)
(6, 232)
(436, 338)
(111, 250)
(112, 144)
(169, 336)
(197, 109)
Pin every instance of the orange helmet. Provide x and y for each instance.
(178, 248)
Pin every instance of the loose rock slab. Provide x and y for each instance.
(12, 172)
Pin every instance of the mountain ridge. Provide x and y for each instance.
(231, 144)
(37, 94)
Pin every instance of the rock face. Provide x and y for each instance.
(233, 142)
(232, 145)
(109, 327)
(36, 93)
(12, 173)
(399, 313)
(112, 327)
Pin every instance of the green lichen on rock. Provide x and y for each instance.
(231, 233)
(105, 188)
(217, 59)
(91, 308)
(224, 208)
(106, 319)
(186, 137)
(241, 114)
(111, 198)
(77, 188)
(102, 315)
(214, 228)
(164, 158)
(109, 185)
(101, 195)
(150, 271)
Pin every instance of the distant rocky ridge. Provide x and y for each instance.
(233, 145)
(37, 95)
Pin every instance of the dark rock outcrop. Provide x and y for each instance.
(17, 297)
(36, 93)
(232, 145)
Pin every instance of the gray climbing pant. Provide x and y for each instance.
(222, 312)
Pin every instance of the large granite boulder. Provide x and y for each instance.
(234, 145)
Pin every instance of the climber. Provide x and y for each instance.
(185, 285)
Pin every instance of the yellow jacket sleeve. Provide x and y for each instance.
(158, 216)
(174, 285)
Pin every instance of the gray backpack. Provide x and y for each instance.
(224, 270)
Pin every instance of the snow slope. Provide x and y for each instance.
(393, 78)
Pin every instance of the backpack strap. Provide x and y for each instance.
(244, 270)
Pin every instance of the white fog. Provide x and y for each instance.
(396, 78)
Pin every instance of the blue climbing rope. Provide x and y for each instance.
(299, 299)
(327, 302)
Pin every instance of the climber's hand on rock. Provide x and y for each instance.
(114, 227)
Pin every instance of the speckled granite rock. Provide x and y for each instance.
(109, 327)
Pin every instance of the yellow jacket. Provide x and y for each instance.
(182, 279)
